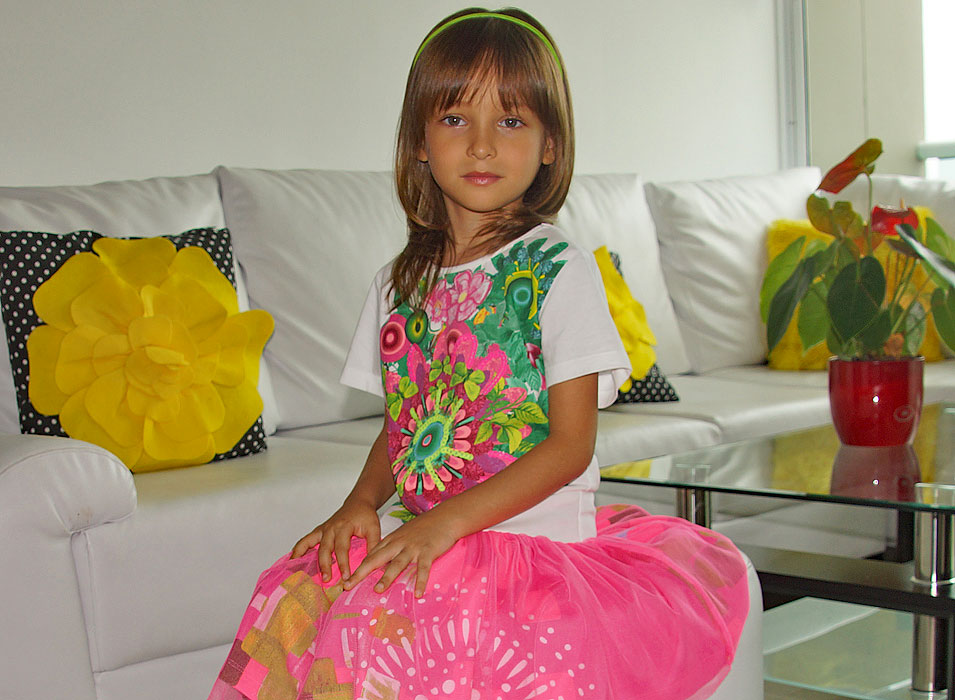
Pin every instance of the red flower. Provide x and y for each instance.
(859, 161)
(885, 219)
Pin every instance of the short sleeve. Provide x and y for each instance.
(578, 336)
(363, 363)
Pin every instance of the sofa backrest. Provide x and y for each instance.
(140, 208)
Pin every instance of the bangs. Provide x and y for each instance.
(462, 61)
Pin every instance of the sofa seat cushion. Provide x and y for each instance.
(361, 431)
(177, 575)
(740, 410)
(627, 437)
(939, 378)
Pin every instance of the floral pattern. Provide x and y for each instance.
(145, 353)
(464, 377)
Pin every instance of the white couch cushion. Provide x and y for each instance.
(740, 410)
(713, 247)
(611, 210)
(309, 243)
(939, 379)
(159, 206)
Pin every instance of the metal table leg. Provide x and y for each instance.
(934, 559)
(692, 504)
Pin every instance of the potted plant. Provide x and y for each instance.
(866, 288)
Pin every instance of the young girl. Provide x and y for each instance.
(490, 339)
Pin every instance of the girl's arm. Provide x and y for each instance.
(556, 461)
(358, 515)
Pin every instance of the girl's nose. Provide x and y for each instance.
(482, 144)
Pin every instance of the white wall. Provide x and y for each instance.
(865, 80)
(110, 89)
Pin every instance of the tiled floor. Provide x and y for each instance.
(837, 649)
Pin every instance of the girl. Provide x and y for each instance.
(490, 338)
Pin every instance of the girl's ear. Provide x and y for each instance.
(422, 155)
(549, 155)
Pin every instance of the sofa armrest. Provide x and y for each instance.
(50, 488)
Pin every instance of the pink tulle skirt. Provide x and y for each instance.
(652, 607)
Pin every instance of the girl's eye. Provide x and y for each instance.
(452, 120)
(512, 122)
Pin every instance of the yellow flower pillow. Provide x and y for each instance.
(647, 384)
(136, 345)
(788, 354)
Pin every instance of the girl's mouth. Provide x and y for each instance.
(478, 178)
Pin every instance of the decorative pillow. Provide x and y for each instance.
(646, 383)
(135, 344)
(713, 249)
(788, 353)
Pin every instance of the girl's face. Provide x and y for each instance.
(484, 157)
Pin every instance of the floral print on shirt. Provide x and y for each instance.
(464, 383)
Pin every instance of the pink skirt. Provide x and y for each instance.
(652, 607)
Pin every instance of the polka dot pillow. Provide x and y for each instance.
(133, 344)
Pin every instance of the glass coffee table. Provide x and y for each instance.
(916, 481)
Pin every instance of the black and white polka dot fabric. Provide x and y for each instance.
(28, 259)
(652, 388)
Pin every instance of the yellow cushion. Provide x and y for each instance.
(788, 354)
(143, 351)
(629, 317)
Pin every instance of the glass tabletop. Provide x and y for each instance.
(813, 465)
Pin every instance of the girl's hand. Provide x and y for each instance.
(353, 519)
(415, 544)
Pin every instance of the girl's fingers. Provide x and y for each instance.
(306, 543)
(391, 572)
(375, 559)
(342, 545)
(421, 577)
(325, 560)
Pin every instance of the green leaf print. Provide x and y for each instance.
(472, 389)
(394, 406)
(407, 388)
(529, 412)
(514, 437)
(484, 432)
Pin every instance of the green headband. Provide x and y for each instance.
(498, 15)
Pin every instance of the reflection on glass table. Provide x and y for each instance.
(916, 481)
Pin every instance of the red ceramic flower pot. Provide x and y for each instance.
(876, 402)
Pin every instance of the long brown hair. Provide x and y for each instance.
(452, 67)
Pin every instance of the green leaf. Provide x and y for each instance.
(940, 269)
(819, 213)
(856, 297)
(784, 303)
(901, 247)
(943, 312)
(873, 337)
(778, 271)
(812, 320)
(938, 241)
(529, 412)
(913, 326)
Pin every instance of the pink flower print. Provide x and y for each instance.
(393, 340)
(460, 300)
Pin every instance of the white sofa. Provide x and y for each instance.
(117, 586)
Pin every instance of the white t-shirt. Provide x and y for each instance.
(570, 331)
